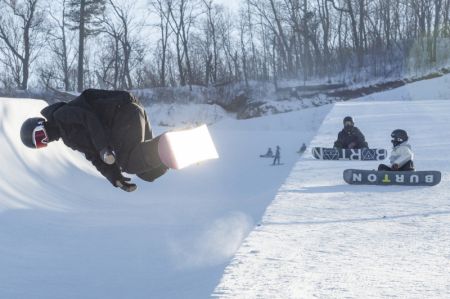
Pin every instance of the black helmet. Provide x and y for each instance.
(26, 132)
(399, 136)
(348, 118)
(348, 122)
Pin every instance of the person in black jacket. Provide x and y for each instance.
(110, 128)
(350, 137)
(276, 159)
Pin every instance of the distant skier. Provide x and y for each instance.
(109, 127)
(268, 154)
(276, 159)
(302, 149)
(350, 137)
(402, 156)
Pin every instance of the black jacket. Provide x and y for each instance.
(350, 138)
(98, 119)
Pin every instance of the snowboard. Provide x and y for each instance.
(403, 178)
(182, 148)
(365, 154)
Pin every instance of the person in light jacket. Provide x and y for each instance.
(402, 156)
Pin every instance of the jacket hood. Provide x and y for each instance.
(50, 125)
(48, 111)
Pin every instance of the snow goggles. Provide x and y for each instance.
(348, 123)
(40, 138)
(397, 139)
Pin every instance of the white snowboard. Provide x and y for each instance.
(179, 149)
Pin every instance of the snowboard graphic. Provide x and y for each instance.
(179, 149)
(366, 154)
(404, 178)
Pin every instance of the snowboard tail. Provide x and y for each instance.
(365, 154)
(403, 178)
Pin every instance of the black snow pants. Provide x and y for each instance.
(142, 156)
(409, 166)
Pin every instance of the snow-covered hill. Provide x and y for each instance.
(321, 238)
(66, 233)
(433, 89)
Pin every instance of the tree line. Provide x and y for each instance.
(113, 44)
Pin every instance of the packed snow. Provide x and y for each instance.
(65, 232)
(435, 89)
(322, 238)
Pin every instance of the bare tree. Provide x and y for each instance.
(111, 59)
(163, 8)
(128, 26)
(84, 15)
(437, 16)
(183, 14)
(20, 26)
(61, 45)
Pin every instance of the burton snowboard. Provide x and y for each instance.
(404, 178)
(365, 154)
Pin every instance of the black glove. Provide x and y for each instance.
(107, 156)
(123, 184)
(337, 145)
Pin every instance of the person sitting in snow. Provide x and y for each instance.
(110, 128)
(350, 137)
(269, 153)
(402, 156)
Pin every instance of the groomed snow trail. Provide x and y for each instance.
(322, 238)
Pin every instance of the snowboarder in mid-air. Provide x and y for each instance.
(276, 159)
(110, 128)
(350, 137)
(402, 156)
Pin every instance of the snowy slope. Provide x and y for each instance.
(176, 115)
(321, 238)
(66, 233)
(434, 89)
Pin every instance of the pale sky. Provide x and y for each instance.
(233, 4)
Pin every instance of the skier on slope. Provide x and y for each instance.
(350, 137)
(302, 148)
(276, 159)
(109, 127)
(402, 156)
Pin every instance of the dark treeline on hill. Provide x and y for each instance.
(117, 44)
